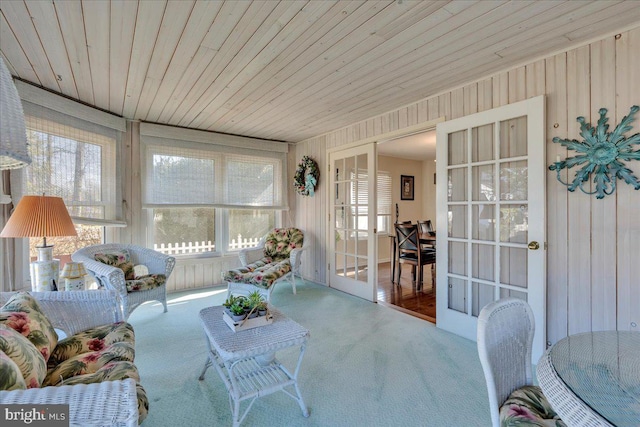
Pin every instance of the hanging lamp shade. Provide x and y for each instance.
(14, 151)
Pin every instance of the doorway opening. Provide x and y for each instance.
(408, 156)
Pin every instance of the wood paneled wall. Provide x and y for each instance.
(593, 261)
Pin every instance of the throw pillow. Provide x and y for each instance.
(120, 259)
(25, 355)
(23, 314)
(10, 376)
(280, 241)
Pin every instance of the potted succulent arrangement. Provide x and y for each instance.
(246, 312)
(257, 304)
(231, 300)
(237, 311)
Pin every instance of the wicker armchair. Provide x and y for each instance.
(113, 277)
(505, 340)
(110, 403)
(277, 257)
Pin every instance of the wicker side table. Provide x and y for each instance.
(246, 360)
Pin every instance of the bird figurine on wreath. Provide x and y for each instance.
(306, 177)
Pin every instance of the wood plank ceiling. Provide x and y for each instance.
(282, 70)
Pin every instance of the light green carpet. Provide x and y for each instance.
(365, 365)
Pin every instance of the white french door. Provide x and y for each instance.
(491, 215)
(352, 222)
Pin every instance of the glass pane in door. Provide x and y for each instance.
(513, 266)
(513, 180)
(484, 183)
(457, 297)
(457, 190)
(483, 222)
(513, 137)
(457, 225)
(514, 223)
(457, 147)
(483, 149)
(483, 294)
(458, 258)
(483, 261)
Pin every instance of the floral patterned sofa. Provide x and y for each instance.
(91, 369)
(276, 257)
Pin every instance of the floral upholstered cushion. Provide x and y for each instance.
(88, 363)
(94, 339)
(10, 376)
(527, 406)
(280, 241)
(103, 353)
(260, 273)
(115, 371)
(120, 259)
(24, 354)
(23, 314)
(238, 274)
(143, 283)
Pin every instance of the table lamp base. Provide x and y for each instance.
(45, 272)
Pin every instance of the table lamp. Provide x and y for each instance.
(41, 216)
(73, 274)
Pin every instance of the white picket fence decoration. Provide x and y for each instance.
(198, 247)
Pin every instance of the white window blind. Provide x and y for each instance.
(361, 196)
(182, 169)
(73, 158)
(384, 193)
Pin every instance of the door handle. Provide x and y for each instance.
(534, 246)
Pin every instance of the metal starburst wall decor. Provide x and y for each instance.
(602, 154)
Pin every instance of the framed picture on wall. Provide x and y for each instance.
(406, 187)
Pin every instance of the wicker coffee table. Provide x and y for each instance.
(246, 360)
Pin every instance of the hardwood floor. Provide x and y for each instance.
(405, 297)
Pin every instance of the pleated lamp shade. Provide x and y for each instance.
(14, 152)
(39, 216)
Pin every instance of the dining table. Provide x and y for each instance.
(593, 378)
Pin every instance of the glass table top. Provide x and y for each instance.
(603, 369)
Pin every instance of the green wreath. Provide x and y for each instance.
(306, 177)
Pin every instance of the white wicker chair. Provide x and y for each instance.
(251, 255)
(505, 339)
(112, 403)
(113, 278)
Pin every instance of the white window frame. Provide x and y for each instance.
(57, 103)
(152, 136)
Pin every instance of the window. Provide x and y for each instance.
(74, 156)
(383, 188)
(384, 202)
(206, 193)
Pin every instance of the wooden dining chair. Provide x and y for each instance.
(411, 252)
(394, 248)
(426, 228)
